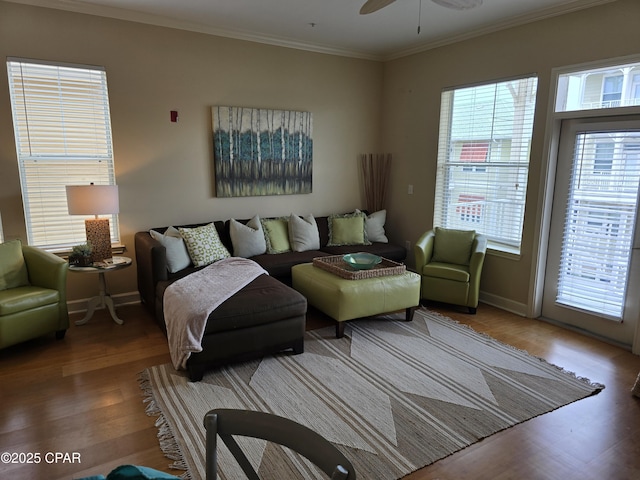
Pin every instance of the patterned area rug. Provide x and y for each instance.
(393, 395)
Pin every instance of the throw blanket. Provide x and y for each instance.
(189, 301)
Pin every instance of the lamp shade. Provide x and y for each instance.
(92, 199)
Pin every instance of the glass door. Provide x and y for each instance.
(591, 273)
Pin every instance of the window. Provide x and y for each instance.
(62, 131)
(603, 87)
(599, 226)
(483, 159)
(612, 90)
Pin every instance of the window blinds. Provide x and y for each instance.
(62, 131)
(483, 159)
(600, 220)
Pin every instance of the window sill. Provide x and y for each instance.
(117, 248)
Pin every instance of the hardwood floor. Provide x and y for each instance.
(80, 397)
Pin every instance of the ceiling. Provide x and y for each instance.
(329, 26)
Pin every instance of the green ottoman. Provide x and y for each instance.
(344, 299)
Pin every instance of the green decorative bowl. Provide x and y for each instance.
(362, 261)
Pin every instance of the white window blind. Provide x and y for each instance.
(598, 232)
(62, 131)
(483, 159)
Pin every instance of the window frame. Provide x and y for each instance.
(63, 136)
(494, 170)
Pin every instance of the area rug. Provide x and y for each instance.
(394, 396)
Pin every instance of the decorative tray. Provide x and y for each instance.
(336, 265)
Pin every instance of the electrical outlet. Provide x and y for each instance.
(410, 189)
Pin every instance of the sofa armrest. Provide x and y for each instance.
(423, 249)
(151, 261)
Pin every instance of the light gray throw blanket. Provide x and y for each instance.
(189, 301)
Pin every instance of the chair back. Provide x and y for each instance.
(246, 423)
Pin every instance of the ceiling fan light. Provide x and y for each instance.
(459, 4)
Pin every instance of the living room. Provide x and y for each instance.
(165, 170)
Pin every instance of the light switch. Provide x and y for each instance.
(410, 190)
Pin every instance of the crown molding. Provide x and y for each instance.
(158, 20)
(551, 12)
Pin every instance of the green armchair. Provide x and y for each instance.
(33, 300)
(450, 264)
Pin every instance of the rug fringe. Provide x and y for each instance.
(168, 443)
(598, 387)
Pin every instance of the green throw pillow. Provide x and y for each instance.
(203, 244)
(347, 229)
(13, 269)
(453, 246)
(276, 234)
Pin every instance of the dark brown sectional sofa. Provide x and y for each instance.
(264, 317)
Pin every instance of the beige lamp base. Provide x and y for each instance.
(99, 236)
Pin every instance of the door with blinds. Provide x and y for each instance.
(591, 273)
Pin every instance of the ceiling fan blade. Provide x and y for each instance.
(459, 4)
(371, 6)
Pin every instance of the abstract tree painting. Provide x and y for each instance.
(262, 152)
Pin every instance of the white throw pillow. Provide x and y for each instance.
(303, 233)
(248, 240)
(374, 226)
(177, 254)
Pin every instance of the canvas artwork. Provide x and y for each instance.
(262, 152)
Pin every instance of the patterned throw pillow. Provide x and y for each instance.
(203, 244)
(347, 229)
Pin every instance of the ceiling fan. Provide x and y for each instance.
(371, 6)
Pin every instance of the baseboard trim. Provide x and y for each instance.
(504, 304)
(129, 298)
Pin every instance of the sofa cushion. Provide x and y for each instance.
(303, 233)
(177, 254)
(247, 239)
(453, 246)
(13, 269)
(279, 266)
(347, 229)
(264, 300)
(276, 234)
(203, 244)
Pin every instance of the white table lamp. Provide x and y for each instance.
(95, 200)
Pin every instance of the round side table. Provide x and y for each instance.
(103, 298)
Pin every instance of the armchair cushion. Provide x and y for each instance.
(448, 271)
(13, 269)
(26, 298)
(453, 246)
